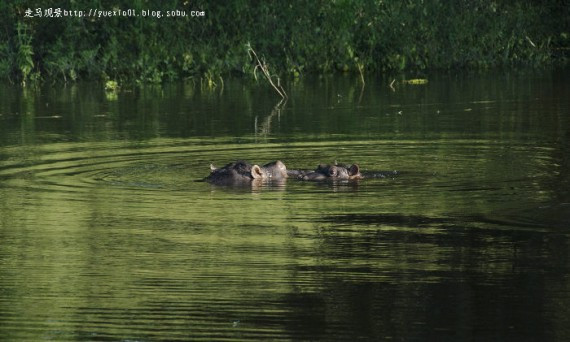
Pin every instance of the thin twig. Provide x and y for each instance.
(265, 70)
(392, 85)
(361, 71)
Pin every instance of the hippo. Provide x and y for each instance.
(242, 172)
(325, 171)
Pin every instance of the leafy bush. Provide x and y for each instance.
(294, 36)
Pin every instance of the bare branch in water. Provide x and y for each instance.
(265, 70)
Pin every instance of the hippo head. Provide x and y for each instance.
(335, 171)
(235, 173)
(241, 172)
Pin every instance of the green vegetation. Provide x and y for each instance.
(292, 37)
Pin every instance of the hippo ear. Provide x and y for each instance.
(353, 170)
(212, 167)
(256, 172)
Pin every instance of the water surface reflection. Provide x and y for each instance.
(107, 234)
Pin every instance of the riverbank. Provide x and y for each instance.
(205, 40)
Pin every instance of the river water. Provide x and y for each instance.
(106, 235)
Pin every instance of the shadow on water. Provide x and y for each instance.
(556, 217)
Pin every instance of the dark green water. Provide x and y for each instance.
(106, 236)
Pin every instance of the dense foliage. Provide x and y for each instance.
(294, 36)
